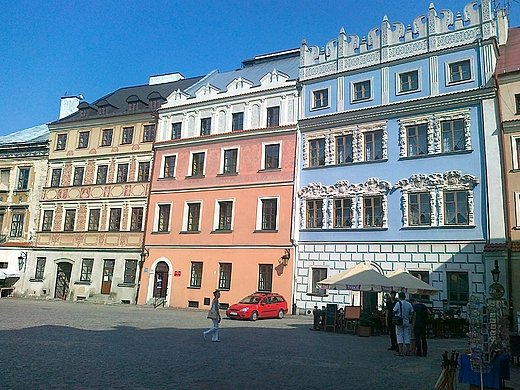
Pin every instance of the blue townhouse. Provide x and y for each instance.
(399, 163)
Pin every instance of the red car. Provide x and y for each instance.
(259, 305)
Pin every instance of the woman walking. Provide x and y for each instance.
(214, 314)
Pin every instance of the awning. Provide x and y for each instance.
(410, 283)
(362, 277)
(7, 273)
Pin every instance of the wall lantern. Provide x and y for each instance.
(144, 254)
(284, 260)
(495, 272)
(22, 261)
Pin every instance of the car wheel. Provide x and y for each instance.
(281, 314)
(254, 316)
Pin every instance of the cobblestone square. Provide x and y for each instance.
(66, 345)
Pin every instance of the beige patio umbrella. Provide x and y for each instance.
(362, 277)
(410, 283)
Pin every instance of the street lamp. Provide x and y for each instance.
(144, 254)
(284, 260)
(495, 272)
(22, 261)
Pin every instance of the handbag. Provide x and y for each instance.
(212, 314)
(398, 320)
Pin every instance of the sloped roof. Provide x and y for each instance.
(509, 59)
(33, 135)
(118, 98)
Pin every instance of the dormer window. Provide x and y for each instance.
(133, 103)
(155, 100)
(83, 112)
(102, 110)
(155, 104)
(132, 106)
(83, 108)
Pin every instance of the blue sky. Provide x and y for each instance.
(50, 49)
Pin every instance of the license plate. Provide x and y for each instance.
(232, 313)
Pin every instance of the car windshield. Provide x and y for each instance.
(250, 299)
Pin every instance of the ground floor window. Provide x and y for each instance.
(318, 274)
(130, 271)
(196, 274)
(224, 281)
(458, 287)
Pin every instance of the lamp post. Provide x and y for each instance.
(22, 261)
(495, 272)
(496, 290)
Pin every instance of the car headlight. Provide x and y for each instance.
(245, 309)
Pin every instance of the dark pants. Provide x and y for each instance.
(420, 339)
(393, 336)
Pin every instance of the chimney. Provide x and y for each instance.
(69, 105)
(165, 78)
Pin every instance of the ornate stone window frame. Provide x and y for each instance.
(415, 121)
(313, 191)
(449, 116)
(322, 134)
(342, 190)
(373, 187)
(435, 184)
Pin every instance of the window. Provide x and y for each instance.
(230, 161)
(452, 135)
(133, 106)
(273, 116)
(361, 91)
(61, 142)
(193, 217)
(102, 110)
(517, 103)
(86, 270)
(47, 220)
(155, 103)
(459, 71)
(17, 225)
(169, 166)
(320, 98)
(419, 211)
(318, 274)
(130, 271)
(143, 173)
(149, 133)
(128, 135)
(114, 223)
(205, 126)
(136, 222)
(373, 212)
(265, 277)
(344, 153)
(70, 219)
(272, 156)
(425, 277)
(83, 139)
(122, 173)
(56, 177)
(224, 278)
(317, 152)
(374, 146)
(102, 172)
(456, 208)
(343, 216)
(314, 214)
(417, 139)
(458, 287)
(225, 214)
(106, 139)
(93, 220)
(83, 112)
(5, 176)
(237, 122)
(196, 274)
(409, 81)
(23, 179)
(269, 214)
(40, 268)
(163, 222)
(517, 141)
(78, 176)
(176, 130)
(197, 164)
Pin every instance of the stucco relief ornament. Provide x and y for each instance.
(455, 180)
(313, 190)
(375, 186)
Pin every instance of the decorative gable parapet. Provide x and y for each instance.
(390, 42)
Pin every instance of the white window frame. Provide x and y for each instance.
(94, 206)
(216, 217)
(70, 207)
(222, 154)
(352, 90)
(186, 212)
(163, 163)
(517, 210)
(264, 144)
(190, 167)
(259, 212)
(514, 152)
(156, 217)
(398, 90)
(447, 64)
(313, 99)
(40, 225)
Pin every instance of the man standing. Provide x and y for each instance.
(403, 309)
(390, 303)
(420, 313)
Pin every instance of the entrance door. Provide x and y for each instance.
(108, 273)
(161, 280)
(62, 280)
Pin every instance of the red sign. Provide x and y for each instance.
(177, 273)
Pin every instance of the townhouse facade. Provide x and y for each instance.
(221, 202)
(92, 209)
(508, 80)
(399, 163)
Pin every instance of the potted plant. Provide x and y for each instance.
(365, 323)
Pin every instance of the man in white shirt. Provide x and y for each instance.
(403, 309)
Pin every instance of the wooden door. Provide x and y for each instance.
(108, 273)
(62, 280)
(161, 280)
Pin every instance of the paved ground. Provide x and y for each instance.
(66, 345)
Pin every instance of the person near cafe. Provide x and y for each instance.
(389, 308)
(420, 314)
(403, 309)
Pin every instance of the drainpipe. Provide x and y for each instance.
(144, 252)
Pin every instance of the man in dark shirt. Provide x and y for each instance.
(390, 303)
(420, 313)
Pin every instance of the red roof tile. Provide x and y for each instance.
(509, 59)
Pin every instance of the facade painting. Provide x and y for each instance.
(221, 199)
(402, 177)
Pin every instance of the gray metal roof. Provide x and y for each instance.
(33, 135)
